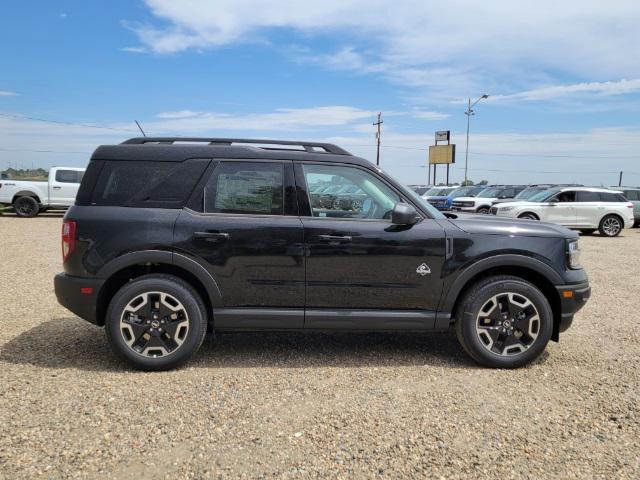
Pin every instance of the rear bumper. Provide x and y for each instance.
(572, 299)
(78, 294)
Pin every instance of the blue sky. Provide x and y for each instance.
(563, 79)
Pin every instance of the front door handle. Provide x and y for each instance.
(335, 238)
(212, 236)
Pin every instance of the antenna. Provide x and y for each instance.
(143, 134)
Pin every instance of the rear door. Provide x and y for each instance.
(358, 260)
(588, 207)
(249, 237)
(63, 187)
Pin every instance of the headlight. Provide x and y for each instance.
(505, 209)
(573, 254)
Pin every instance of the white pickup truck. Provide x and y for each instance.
(31, 197)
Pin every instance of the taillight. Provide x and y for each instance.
(68, 238)
(630, 205)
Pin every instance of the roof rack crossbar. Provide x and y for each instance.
(311, 147)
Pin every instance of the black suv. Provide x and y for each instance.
(170, 238)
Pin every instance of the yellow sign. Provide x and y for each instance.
(442, 154)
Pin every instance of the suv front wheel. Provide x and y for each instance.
(156, 322)
(504, 322)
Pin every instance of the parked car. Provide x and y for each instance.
(443, 201)
(581, 208)
(439, 193)
(481, 203)
(30, 197)
(420, 189)
(532, 190)
(167, 240)
(633, 195)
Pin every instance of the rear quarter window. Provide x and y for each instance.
(612, 197)
(147, 184)
(68, 176)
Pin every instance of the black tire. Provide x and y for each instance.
(587, 231)
(469, 315)
(611, 226)
(26, 207)
(484, 210)
(528, 216)
(147, 354)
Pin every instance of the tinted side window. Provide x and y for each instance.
(588, 196)
(632, 195)
(120, 182)
(68, 176)
(147, 184)
(245, 188)
(612, 197)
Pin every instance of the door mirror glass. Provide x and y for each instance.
(404, 214)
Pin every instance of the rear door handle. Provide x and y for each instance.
(57, 188)
(212, 236)
(335, 238)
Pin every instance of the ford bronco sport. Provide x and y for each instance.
(171, 237)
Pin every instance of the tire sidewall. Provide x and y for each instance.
(186, 296)
(468, 327)
(601, 227)
(483, 210)
(34, 205)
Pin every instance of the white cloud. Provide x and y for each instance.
(282, 119)
(430, 115)
(599, 88)
(5, 93)
(447, 49)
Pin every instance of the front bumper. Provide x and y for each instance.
(572, 299)
(78, 294)
(464, 209)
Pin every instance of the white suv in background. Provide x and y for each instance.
(580, 208)
(481, 203)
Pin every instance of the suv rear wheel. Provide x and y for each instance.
(156, 322)
(504, 322)
(610, 226)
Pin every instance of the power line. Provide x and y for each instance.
(59, 122)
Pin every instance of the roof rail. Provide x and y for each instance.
(311, 147)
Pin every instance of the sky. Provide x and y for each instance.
(563, 80)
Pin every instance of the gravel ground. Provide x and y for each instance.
(314, 405)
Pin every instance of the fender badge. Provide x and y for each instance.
(423, 269)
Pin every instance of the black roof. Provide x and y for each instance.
(172, 149)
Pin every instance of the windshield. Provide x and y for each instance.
(490, 192)
(470, 191)
(527, 193)
(543, 195)
(432, 191)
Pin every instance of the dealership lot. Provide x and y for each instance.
(314, 405)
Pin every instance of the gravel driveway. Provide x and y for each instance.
(315, 405)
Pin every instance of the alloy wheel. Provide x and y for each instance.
(508, 324)
(611, 226)
(154, 324)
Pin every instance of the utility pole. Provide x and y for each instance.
(378, 123)
(468, 113)
(620, 179)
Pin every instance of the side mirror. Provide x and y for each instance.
(404, 214)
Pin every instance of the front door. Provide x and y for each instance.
(563, 210)
(357, 259)
(64, 187)
(250, 239)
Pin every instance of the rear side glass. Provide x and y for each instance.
(68, 176)
(632, 195)
(588, 196)
(612, 197)
(246, 188)
(147, 184)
